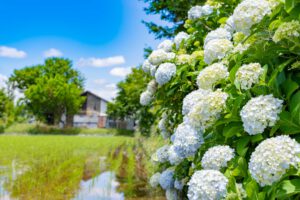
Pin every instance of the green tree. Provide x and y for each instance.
(126, 104)
(6, 110)
(50, 89)
(171, 11)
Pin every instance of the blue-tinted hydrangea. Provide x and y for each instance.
(171, 194)
(178, 184)
(197, 12)
(146, 98)
(174, 157)
(166, 179)
(164, 73)
(193, 98)
(180, 37)
(207, 185)
(154, 180)
(166, 45)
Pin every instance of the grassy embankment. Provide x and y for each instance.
(24, 128)
(52, 167)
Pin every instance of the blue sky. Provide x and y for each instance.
(103, 38)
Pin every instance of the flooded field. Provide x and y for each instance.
(73, 167)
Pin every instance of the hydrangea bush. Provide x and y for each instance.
(227, 91)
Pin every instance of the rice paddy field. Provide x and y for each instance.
(74, 167)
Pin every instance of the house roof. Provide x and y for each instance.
(93, 94)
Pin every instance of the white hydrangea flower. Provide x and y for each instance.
(211, 75)
(165, 72)
(248, 75)
(146, 98)
(181, 36)
(159, 56)
(166, 45)
(197, 12)
(287, 30)
(152, 86)
(171, 194)
(272, 158)
(217, 157)
(240, 48)
(216, 49)
(166, 179)
(249, 13)
(192, 98)
(260, 112)
(178, 184)
(207, 111)
(187, 140)
(146, 66)
(174, 157)
(154, 180)
(207, 185)
(219, 33)
(183, 59)
(229, 26)
(153, 69)
(162, 154)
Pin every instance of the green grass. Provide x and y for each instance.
(24, 128)
(53, 166)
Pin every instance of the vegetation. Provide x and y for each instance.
(52, 167)
(231, 103)
(126, 104)
(50, 89)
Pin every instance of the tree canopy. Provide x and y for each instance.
(50, 89)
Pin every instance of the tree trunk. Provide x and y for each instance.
(69, 120)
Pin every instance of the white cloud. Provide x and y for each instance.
(101, 62)
(10, 52)
(52, 53)
(100, 81)
(111, 86)
(120, 71)
(106, 93)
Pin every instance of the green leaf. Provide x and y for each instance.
(290, 86)
(287, 125)
(295, 107)
(256, 138)
(278, 70)
(288, 188)
(232, 129)
(252, 190)
(241, 147)
(289, 5)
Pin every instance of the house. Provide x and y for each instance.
(93, 114)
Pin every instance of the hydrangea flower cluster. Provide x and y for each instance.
(211, 75)
(249, 13)
(183, 59)
(197, 12)
(178, 184)
(217, 157)
(287, 30)
(165, 72)
(146, 98)
(219, 33)
(174, 157)
(159, 56)
(154, 180)
(272, 158)
(248, 75)
(166, 45)
(161, 154)
(180, 37)
(187, 140)
(229, 25)
(171, 194)
(216, 49)
(147, 66)
(152, 86)
(166, 179)
(259, 113)
(207, 185)
(240, 48)
(204, 114)
(192, 98)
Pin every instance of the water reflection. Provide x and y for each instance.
(103, 187)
